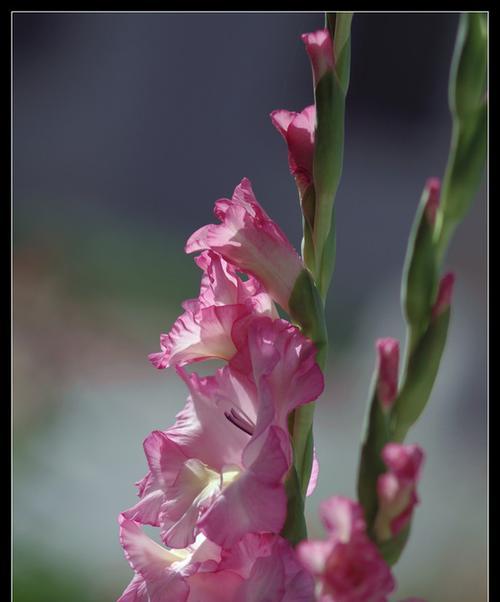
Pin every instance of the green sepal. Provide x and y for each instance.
(306, 310)
(419, 282)
(327, 262)
(295, 528)
(421, 372)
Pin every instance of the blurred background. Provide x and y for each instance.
(127, 128)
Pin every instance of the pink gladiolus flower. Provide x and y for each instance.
(259, 567)
(388, 364)
(204, 330)
(444, 294)
(347, 566)
(220, 468)
(252, 242)
(298, 131)
(319, 47)
(283, 366)
(433, 188)
(397, 488)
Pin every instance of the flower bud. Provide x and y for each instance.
(396, 488)
(319, 47)
(298, 131)
(445, 292)
(433, 189)
(347, 565)
(388, 364)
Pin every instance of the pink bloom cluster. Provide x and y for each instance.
(215, 484)
(347, 566)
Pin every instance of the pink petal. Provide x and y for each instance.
(298, 131)
(152, 563)
(284, 369)
(281, 119)
(136, 591)
(313, 555)
(313, 479)
(266, 582)
(214, 587)
(404, 460)
(203, 331)
(147, 510)
(342, 517)
(254, 502)
(165, 459)
(270, 568)
(203, 430)
(396, 489)
(193, 491)
(347, 566)
(199, 336)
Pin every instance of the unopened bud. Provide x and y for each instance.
(433, 189)
(397, 488)
(445, 292)
(388, 365)
(319, 47)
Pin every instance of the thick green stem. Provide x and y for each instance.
(307, 300)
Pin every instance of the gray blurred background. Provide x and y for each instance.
(127, 128)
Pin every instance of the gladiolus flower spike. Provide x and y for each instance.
(226, 484)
